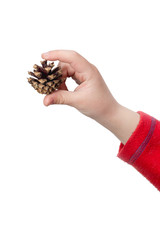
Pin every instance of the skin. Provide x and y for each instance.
(92, 96)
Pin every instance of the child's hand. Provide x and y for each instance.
(92, 96)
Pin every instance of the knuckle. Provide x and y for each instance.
(94, 69)
(60, 99)
(74, 53)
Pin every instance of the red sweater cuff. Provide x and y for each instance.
(142, 150)
(135, 144)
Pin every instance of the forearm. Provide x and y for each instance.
(121, 121)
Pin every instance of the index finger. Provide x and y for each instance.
(78, 63)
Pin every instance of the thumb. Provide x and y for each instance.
(60, 97)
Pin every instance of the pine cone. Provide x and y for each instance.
(45, 79)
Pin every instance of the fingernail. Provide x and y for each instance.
(45, 103)
(45, 55)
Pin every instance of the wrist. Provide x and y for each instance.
(108, 114)
(121, 121)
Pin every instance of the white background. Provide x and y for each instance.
(59, 174)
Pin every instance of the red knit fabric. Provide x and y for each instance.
(142, 150)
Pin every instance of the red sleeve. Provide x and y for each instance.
(142, 150)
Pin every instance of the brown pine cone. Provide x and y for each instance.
(45, 79)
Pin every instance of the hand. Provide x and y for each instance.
(92, 96)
